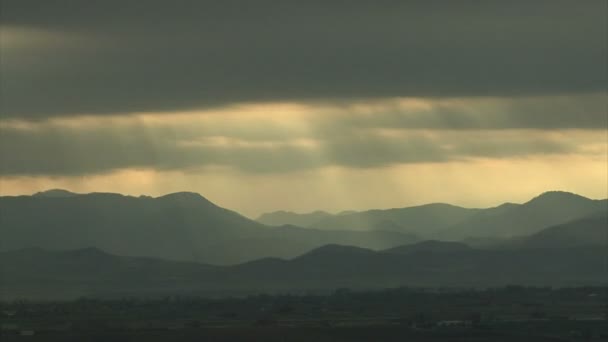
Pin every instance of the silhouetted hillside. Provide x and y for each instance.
(280, 218)
(447, 222)
(422, 220)
(336, 254)
(186, 226)
(55, 193)
(549, 209)
(588, 231)
(430, 246)
(181, 226)
(37, 273)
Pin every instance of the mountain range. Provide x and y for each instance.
(59, 244)
(279, 218)
(445, 221)
(42, 274)
(178, 226)
(588, 231)
(186, 226)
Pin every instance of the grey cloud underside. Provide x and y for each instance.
(550, 113)
(62, 151)
(125, 56)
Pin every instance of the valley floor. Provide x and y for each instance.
(512, 313)
(362, 334)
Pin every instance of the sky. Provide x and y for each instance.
(284, 105)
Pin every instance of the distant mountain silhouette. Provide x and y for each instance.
(38, 273)
(187, 226)
(41, 274)
(180, 226)
(421, 220)
(549, 209)
(588, 231)
(430, 246)
(334, 251)
(447, 222)
(280, 218)
(55, 193)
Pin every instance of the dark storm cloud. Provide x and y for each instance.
(105, 57)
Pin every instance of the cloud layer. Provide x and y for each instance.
(62, 58)
(283, 138)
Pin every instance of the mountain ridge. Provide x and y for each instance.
(446, 221)
(187, 226)
(43, 274)
(177, 226)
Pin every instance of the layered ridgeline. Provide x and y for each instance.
(280, 218)
(569, 254)
(445, 221)
(180, 226)
(186, 226)
(423, 219)
(589, 231)
(42, 274)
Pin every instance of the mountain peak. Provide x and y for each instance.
(56, 193)
(557, 196)
(182, 195)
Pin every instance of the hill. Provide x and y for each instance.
(280, 218)
(447, 222)
(38, 274)
(548, 209)
(430, 246)
(422, 220)
(588, 231)
(442, 221)
(179, 226)
(44, 274)
(55, 193)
